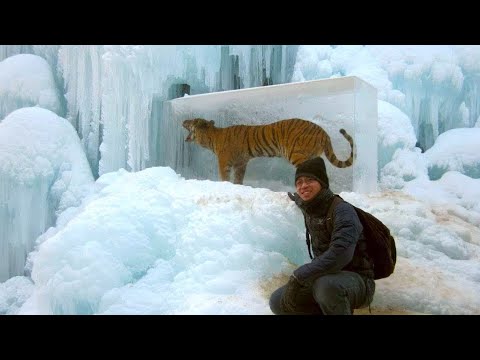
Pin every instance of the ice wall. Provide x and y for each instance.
(440, 86)
(27, 80)
(112, 91)
(43, 171)
(115, 94)
(437, 87)
(122, 88)
(48, 52)
(395, 131)
(11, 50)
(455, 150)
(433, 99)
(80, 67)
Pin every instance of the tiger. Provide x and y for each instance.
(295, 139)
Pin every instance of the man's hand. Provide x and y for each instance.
(295, 197)
(288, 301)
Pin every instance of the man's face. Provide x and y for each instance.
(307, 187)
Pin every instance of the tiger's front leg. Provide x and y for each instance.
(223, 169)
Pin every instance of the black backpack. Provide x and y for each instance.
(380, 243)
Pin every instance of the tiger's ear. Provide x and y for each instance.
(212, 122)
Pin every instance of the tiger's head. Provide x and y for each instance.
(195, 125)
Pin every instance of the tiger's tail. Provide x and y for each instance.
(330, 154)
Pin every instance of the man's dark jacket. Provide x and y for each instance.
(345, 249)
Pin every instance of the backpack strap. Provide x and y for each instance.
(307, 235)
(329, 220)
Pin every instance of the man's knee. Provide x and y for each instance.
(275, 299)
(340, 293)
(327, 290)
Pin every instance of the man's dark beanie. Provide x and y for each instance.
(314, 168)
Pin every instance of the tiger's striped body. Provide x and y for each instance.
(296, 140)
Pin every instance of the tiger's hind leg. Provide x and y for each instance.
(239, 170)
